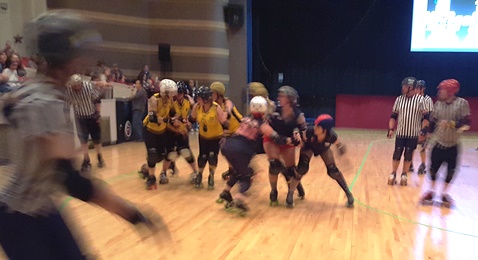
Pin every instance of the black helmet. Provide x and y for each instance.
(289, 92)
(410, 81)
(204, 92)
(421, 84)
(61, 36)
(182, 88)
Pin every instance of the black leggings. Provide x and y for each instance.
(36, 237)
(239, 152)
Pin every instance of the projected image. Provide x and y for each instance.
(445, 26)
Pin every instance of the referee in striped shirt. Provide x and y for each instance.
(428, 106)
(412, 117)
(451, 116)
(86, 102)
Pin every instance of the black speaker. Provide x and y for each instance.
(124, 128)
(234, 16)
(164, 52)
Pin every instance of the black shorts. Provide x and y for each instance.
(87, 127)
(441, 154)
(410, 143)
(181, 142)
(155, 141)
(207, 146)
(316, 148)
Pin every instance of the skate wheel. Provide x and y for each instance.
(274, 203)
(166, 181)
(302, 197)
(199, 186)
(241, 213)
(219, 200)
(290, 205)
(349, 205)
(210, 187)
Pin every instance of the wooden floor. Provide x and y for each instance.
(386, 223)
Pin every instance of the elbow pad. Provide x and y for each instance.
(464, 121)
(277, 139)
(426, 117)
(394, 116)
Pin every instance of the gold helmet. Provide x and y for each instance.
(218, 87)
(257, 89)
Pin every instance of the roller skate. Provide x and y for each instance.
(403, 179)
(273, 198)
(350, 200)
(210, 181)
(163, 178)
(300, 191)
(411, 169)
(151, 183)
(198, 181)
(241, 207)
(392, 179)
(289, 201)
(86, 166)
(422, 169)
(101, 161)
(225, 196)
(447, 201)
(143, 172)
(427, 198)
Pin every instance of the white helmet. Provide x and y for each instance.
(258, 105)
(75, 79)
(167, 87)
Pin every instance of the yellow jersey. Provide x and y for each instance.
(234, 121)
(209, 125)
(162, 110)
(181, 111)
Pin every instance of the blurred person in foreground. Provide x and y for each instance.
(31, 226)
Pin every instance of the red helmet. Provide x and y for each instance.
(451, 86)
(325, 121)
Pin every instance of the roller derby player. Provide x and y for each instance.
(451, 116)
(233, 116)
(242, 146)
(258, 89)
(423, 153)
(412, 116)
(180, 127)
(210, 118)
(318, 140)
(287, 120)
(31, 226)
(156, 139)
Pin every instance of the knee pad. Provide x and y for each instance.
(202, 160)
(187, 154)
(212, 158)
(433, 174)
(76, 185)
(275, 167)
(153, 157)
(449, 175)
(292, 173)
(232, 180)
(408, 154)
(303, 165)
(172, 156)
(397, 154)
(333, 171)
(244, 185)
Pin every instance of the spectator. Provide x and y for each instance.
(138, 100)
(117, 75)
(14, 74)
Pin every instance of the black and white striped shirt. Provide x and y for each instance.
(84, 101)
(428, 102)
(455, 111)
(410, 111)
